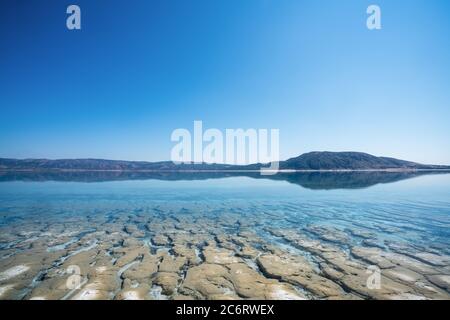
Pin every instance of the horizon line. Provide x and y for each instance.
(217, 163)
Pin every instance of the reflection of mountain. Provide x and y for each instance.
(346, 180)
(95, 170)
(309, 180)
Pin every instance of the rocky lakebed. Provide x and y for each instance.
(255, 250)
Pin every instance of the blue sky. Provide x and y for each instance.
(140, 69)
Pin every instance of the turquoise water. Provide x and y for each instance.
(418, 208)
(334, 221)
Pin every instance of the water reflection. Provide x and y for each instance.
(309, 180)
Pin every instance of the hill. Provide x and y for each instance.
(307, 161)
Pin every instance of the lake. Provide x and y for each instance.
(128, 235)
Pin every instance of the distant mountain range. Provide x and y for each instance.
(315, 161)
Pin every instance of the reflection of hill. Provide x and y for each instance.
(309, 180)
(347, 180)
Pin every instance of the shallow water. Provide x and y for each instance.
(311, 236)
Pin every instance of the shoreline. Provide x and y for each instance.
(230, 171)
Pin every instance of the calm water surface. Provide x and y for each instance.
(389, 213)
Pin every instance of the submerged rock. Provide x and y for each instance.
(144, 269)
(168, 281)
(296, 270)
(440, 280)
(216, 255)
(172, 251)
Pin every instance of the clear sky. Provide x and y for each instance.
(140, 69)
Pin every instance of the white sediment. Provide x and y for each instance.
(92, 246)
(87, 294)
(61, 246)
(101, 269)
(156, 293)
(13, 272)
(4, 289)
(407, 296)
(403, 276)
(281, 294)
(131, 295)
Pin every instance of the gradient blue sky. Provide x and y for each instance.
(139, 69)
